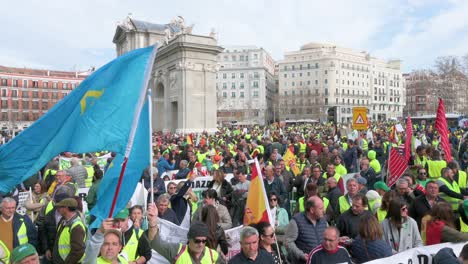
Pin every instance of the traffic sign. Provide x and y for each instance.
(360, 118)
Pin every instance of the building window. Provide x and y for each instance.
(326, 91)
(255, 94)
(65, 86)
(15, 83)
(234, 58)
(326, 72)
(233, 85)
(241, 95)
(25, 94)
(54, 85)
(241, 85)
(4, 105)
(256, 75)
(255, 84)
(4, 92)
(54, 95)
(308, 82)
(25, 83)
(293, 75)
(4, 82)
(316, 81)
(285, 75)
(233, 95)
(285, 93)
(255, 56)
(224, 75)
(326, 81)
(14, 93)
(326, 101)
(224, 85)
(293, 84)
(35, 84)
(316, 65)
(45, 95)
(216, 76)
(241, 57)
(233, 76)
(241, 75)
(224, 95)
(308, 66)
(45, 85)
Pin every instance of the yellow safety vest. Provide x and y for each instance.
(210, 256)
(463, 226)
(345, 146)
(89, 179)
(435, 168)
(302, 147)
(132, 245)
(381, 214)
(121, 259)
(22, 233)
(418, 161)
(262, 149)
(336, 176)
(49, 172)
(341, 170)
(375, 164)
(326, 202)
(201, 157)
(49, 207)
(453, 187)
(365, 145)
(462, 179)
(64, 237)
(343, 204)
(6, 257)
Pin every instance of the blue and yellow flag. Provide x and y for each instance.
(96, 116)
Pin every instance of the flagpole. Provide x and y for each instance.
(136, 117)
(150, 110)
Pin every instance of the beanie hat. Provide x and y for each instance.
(198, 229)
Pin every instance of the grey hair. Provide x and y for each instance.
(7, 200)
(75, 161)
(351, 180)
(333, 228)
(401, 181)
(162, 198)
(183, 162)
(247, 231)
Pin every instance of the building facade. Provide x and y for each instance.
(27, 94)
(424, 88)
(246, 86)
(320, 76)
(183, 77)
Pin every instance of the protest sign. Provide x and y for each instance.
(22, 198)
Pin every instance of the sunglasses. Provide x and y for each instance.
(273, 199)
(198, 241)
(404, 208)
(422, 173)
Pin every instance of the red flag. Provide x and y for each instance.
(396, 166)
(442, 128)
(409, 136)
(257, 208)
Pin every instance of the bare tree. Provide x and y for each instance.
(446, 64)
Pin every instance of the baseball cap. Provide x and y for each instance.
(122, 214)
(381, 185)
(362, 180)
(67, 202)
(22, 252)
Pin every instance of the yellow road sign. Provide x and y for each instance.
(360, 118)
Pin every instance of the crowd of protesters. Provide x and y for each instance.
(319, 216)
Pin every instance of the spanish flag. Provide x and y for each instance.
(189, 140)
(257, 208)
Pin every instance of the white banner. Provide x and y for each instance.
(419, 255)
(200, 183)
(64, 163)
(22, 198)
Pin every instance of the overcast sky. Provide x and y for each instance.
(74, 35)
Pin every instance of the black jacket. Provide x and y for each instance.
(225, 192)
(47, 229)
(420, 208)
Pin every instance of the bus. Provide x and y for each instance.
(453, 120)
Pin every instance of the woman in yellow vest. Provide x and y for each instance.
(38, 200)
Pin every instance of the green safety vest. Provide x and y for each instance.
(343, 204)
(6, 257)
(326, 202)
(375, 164)
(64, 237)
(183, 257)
(132, 245)
(462, 179)
(463, 226)
(262, 149)
(453, 187)
(435, 168)
(121, 259)
(345, 146)
(22, 233)
(201, 157)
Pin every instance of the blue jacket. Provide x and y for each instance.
(30, 228)
(163, 166)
